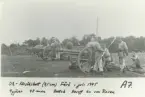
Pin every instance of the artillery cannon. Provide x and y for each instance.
(81, 58)
(76, 57)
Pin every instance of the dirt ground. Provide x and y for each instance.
(31, 66)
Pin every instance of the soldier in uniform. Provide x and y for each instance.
(107, 58)
(96, 48)
(122, 53)
(46, 51)
(55, 47)
(136, 61)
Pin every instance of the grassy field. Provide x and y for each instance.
(14, 66)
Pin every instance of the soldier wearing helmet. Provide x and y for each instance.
(122, 53)
(55, 47)
(96, 48)
(106, 58)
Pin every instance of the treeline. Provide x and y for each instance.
(134, 43)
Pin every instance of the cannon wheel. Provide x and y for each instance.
(85, 62)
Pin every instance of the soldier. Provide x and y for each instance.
(96, 48)
(122, 53)
(136, 61)
(55, 47)
(46, 51)
(107, 58)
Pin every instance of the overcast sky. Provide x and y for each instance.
(30, 19)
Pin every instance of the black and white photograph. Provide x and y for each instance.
(72, 38)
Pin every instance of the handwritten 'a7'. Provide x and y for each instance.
(126, 84)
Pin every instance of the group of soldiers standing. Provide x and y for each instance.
(103, 56)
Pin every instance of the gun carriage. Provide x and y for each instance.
(81, 58)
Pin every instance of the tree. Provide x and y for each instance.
(37, 41)
(75, 41)
(13, 45)
(51, 40)
(32, 43)
(13, 48)
(64, 42)
(29, 43)
(44, 41)
(5, 50)
(3, 46)
(67, 43)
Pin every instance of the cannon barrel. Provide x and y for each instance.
(67, 51)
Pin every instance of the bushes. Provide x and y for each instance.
(13, 50)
